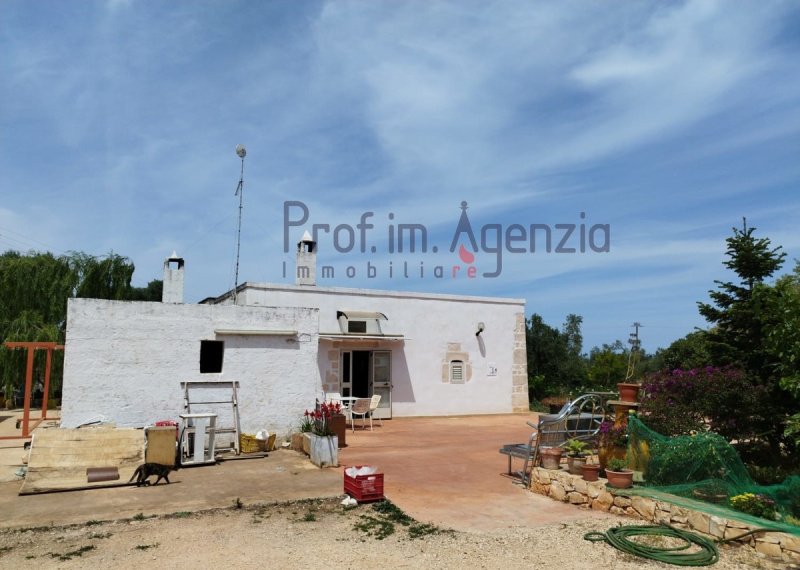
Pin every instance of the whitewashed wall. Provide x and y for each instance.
(126, 361)
(431, 323)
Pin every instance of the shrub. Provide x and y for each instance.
(756, 505)
(722, 400)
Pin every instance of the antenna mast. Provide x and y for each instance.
(241, 152)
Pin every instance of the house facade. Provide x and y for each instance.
(287, 345)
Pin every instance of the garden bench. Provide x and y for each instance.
(579, 419)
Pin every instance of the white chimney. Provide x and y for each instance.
(306, 270)
(173, 279)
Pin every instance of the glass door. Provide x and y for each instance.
(382, 382)
(346, 388)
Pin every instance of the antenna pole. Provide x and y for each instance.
(240, 192)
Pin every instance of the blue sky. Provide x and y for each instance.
(666, 121)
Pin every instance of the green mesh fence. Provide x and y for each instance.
(705, 467)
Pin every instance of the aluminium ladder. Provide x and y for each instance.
(214, 386)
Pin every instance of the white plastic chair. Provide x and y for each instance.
(360, 407)
(376, 399)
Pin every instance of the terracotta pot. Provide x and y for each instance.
(551, 457)
(628, 392)
(590, 472)
(620, 479)
(575, 464)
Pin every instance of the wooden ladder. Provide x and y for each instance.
(233, 402)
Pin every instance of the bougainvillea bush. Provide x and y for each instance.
(722, 400)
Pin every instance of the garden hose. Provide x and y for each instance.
(618, 537)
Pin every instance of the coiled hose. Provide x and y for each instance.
(619, 537)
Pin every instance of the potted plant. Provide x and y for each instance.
(551, 457)
(590, 471)
(618, 474)
(323, 444)
(576, 455)
(612, 442)
(629, 391)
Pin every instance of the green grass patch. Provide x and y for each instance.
(73, 553)
(146, 546)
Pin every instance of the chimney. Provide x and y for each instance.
(306, 270)
(173, 279)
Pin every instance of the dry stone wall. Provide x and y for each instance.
(565, 487)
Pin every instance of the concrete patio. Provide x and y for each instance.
(446, 471)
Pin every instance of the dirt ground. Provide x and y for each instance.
(318, 533)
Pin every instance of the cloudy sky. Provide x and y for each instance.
(655, 127)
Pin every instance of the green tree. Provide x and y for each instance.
(741, 324)
(779, 307)
(555, 364)
(34, 290)
(691, 351)
(607, 365)
(736, 336)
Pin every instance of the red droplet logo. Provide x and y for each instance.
(466, 256)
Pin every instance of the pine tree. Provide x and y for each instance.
(736, 335)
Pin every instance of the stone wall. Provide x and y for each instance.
(568, 488)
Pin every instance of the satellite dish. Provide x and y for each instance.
(241, 151)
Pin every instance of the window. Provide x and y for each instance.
(211, 352)
(357, 326)
(457, 372)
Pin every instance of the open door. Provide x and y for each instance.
(382, 382)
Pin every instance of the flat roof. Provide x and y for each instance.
(366, 293)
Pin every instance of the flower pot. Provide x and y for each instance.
(551, 457)
(324, 450)
(628, 392)
(307, 443)
(575, 464)
(590, 472)
(338, 425)
(620, 479)
(297, 441)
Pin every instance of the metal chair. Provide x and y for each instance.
(360, 407)
(579, 419)
(376, 399)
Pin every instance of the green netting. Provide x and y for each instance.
(705, 467)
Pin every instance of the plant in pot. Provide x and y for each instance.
(576, 455)
(324, 443)
(618, 474)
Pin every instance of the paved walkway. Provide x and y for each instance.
(448, 471)
(441, 470)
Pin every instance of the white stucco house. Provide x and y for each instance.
(287, 345)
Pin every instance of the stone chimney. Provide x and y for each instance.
(306, 270)
(173, 279)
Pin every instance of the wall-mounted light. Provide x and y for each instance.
(481, 328)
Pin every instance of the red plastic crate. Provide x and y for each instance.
(364, 487)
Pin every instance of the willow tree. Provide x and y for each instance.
(34, 289)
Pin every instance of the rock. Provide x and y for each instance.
(790, 542)
(557, 491)
(699, 521)
(768, 548)
(716, 526)
(622, 502)
(576, 498)
(617, 510)
(644, 506)
(581, 486)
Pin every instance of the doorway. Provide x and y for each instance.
(368, 372)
